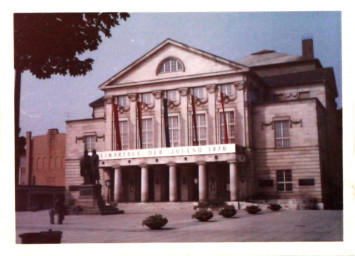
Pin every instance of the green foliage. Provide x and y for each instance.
(227, 211)
(253, 209)
(275, 207)
(156, 221)
(50, 43)
(203, 215)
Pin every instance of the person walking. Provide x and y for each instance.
(60, 210)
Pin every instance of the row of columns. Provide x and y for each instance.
(202, 182)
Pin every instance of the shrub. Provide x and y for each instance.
(156, 221)
(274, 207)
(203, 215)
(253, 209)
(228, 211)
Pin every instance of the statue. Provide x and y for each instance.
(95, 166)
(86, 170)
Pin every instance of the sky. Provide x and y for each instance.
(47, 104)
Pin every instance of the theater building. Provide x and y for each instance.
(259, 127)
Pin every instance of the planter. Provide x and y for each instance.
(253, 209)
(203, 215)
(155, 221)
(228, 211)
(45, 237)
(275, 207)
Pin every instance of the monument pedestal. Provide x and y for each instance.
(90, 200)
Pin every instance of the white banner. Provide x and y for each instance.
(163, 152)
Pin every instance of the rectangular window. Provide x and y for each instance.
(174, 131)
(89, 142)
(172, 95)
(201, 129)
(226, 89)
(282, 134)
(122, 100)
(230, 126)
(198, 92)
(147, 133)
(284, 180)
(147, 98)
(306, 182)
(123, 134)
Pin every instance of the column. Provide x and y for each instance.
(117, 194)
(184, 116)
(144, 183)
(211, 120)
(158, 119)
(132, 125)
(233, 180)
(108, 127)
(202, 181)
(172, 182)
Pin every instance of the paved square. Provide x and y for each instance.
(305, 225)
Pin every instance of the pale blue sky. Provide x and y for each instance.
(44, 103)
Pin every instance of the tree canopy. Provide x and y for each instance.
(50, 43)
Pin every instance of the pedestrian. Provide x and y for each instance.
(51, 215)
(60, 210)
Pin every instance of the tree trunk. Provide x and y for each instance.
(17, 123)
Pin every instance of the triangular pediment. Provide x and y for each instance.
(195, 62)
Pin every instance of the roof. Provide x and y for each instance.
(305, 77)
(268, 57)
(100, 102)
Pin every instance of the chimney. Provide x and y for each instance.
(307, 48)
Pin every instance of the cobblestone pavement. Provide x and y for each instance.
(304, 225)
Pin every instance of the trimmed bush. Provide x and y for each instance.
(228, 211)
(156, 221)
(203, 215)
(275, 207)
(253, 209)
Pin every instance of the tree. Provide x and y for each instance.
(51, 43)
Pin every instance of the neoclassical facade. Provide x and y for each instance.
(255, 128)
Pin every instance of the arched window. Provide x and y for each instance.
(170, 65)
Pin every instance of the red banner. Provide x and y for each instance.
(194, 121)
(117, 127)
(139, 116)
(225, 120)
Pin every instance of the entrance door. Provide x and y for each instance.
(131, 178)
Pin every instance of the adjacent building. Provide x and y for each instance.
(182, 124)
(42, 171)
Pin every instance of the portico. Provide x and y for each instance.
(201, 173)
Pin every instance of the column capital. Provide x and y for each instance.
(201, 162)
(211, 88)
(232, 161)
(171, 164)
(184, 91)
(132, 97)
(116, 166)
(143, 165)
(108, 99)
(157, 94)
